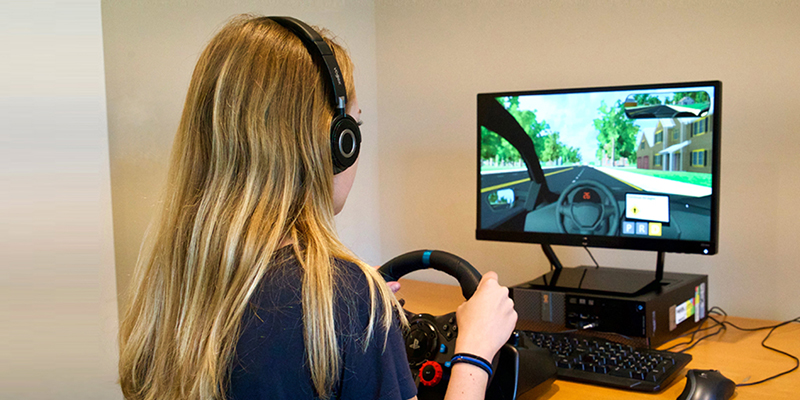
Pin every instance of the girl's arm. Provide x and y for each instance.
(485, 323)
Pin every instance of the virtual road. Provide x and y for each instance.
(557, 180)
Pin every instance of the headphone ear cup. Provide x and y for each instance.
(345, 142)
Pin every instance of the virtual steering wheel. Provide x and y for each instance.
(587, 208)
(431, 341)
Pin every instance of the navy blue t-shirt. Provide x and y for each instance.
(270, 361)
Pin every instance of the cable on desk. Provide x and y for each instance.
(763, 344)
(722, 326)
(717, 310)
(693, 333)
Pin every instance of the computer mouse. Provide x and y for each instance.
(707, 384)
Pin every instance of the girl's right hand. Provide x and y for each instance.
(486, 320)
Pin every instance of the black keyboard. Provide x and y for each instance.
(597, 361)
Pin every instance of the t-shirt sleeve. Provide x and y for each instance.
(379, 372)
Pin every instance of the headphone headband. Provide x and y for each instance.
(345, 137)
(317, 45)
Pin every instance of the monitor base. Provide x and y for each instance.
(602, 280)
(598, 280)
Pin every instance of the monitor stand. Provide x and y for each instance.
(598, 280)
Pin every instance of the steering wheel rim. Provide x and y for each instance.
(609, 212)
(468, 277)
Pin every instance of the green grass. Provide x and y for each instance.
(698, 106)
(695, 178)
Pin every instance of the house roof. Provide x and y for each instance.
(675, 147)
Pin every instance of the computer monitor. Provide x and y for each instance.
(629, 167)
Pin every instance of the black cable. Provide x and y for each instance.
(596, 265)
(693, 333)
(722, 327)
(763, 344)
(717, 310)
(712, 310)
(761, 328)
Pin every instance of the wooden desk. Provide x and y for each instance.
(737, 355)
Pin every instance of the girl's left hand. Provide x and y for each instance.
(394, 286)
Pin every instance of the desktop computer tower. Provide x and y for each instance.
(648, 318)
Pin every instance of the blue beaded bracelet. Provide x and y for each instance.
(474, 360)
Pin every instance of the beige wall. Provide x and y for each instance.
(420, 65)
(150, 52)
(58, 305)
(433, 57)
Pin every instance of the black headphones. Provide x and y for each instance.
(345, 134)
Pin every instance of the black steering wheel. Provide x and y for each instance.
(430, 340)
(587, 208)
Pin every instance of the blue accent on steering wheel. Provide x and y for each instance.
(426, 258)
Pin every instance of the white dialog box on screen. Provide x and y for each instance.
(647, 207)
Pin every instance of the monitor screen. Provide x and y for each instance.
(631, 167)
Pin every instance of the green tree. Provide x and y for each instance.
(547, 144)
(616, 133)
(552, 148)
(527, 119)
(646, 99)
(509, 101)
(497, 150)
(698, 97)
(570, 154)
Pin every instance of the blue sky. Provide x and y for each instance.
(572, 114)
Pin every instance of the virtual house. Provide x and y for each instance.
(678, 145)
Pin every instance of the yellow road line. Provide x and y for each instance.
(560, 171)
(502, 185)
(507, 184)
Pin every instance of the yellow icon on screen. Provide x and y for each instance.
(655, 229)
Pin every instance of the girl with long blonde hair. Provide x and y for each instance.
(243, 289)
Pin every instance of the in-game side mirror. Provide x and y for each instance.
(501, 199)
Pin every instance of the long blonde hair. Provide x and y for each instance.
(250, 169)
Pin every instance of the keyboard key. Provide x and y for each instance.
(653, 377)
(621, 372)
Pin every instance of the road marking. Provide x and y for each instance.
(507, 184)
(578, 176)
(502, 185)
(560, 171)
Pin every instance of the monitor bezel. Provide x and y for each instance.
(709, 247)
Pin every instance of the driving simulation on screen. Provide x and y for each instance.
(612, 163)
